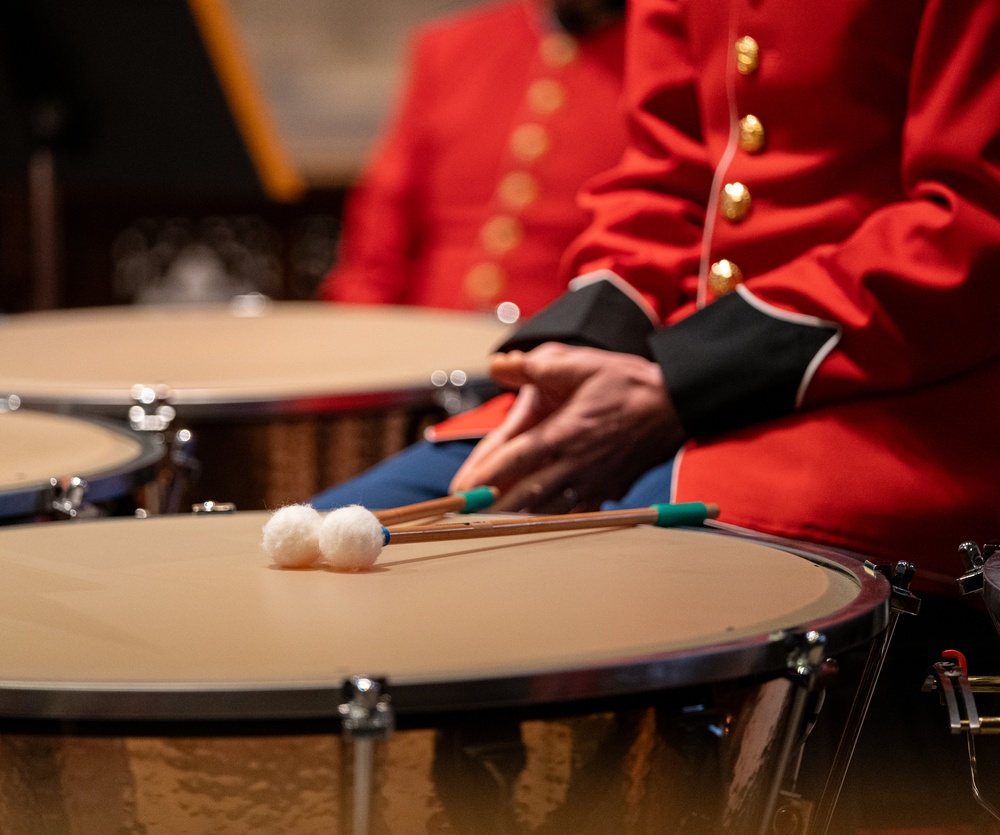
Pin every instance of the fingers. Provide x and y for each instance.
(546, 490)
(550, 365)
(530, 437)
(524, 414)
(504, 462)
(575, 405)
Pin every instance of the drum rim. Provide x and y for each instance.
(198, 404)
(759, 656)
(195, 403)
(103, 484)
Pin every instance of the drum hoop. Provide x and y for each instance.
(763, 655)
(193, 402)
(102, 484)
(198, 404)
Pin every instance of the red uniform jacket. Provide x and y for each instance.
(806, 225)
(470, 198)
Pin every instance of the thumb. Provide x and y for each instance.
(509, 370)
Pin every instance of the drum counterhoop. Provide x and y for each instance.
(556, 661)
(39, 448)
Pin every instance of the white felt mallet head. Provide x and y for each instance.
(291, 536)
(351, 538)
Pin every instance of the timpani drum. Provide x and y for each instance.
(158, 675)
(47, 456)
(285, 398)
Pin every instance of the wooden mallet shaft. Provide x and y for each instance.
(464, 501)
(661, 515)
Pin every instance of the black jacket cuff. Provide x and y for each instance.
(598, 315)
(732, 365)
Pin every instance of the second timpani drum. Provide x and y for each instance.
(545, 683)
(46, 457)
(285, 398)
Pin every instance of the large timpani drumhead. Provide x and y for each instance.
(176, 619)
(285, 398)
(156, 618)
(266, 357)
(38, 447)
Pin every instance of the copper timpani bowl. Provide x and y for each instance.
(570, 663)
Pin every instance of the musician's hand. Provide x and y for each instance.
(586, 424)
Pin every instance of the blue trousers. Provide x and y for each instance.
(424, 471)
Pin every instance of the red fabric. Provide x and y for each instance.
(413, 222)
(474, 423)
(876, 206)
(866, 213)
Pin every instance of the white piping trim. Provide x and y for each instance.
(798, 319)
(712, 209)
(613, 278)
(786, 315)
(674, 473)
(813, 366)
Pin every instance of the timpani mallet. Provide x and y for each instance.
(351, 538)
(291, 534)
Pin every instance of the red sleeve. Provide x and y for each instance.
(916, 288)
(911, 289)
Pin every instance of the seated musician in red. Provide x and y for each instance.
(786, 304)
(470, 198)
(787, 298)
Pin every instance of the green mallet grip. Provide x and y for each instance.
(683, 513)
(479, 498)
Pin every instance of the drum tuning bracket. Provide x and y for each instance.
(950, 678)
(152, 412)
(901, 602)
(366, 709)
(366, 715)
(974, 560)
(456, 392)
(811, 672)
(66, 497)
(956, 689)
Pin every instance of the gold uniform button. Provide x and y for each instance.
(501, 234)
(518, 190)
(529, 142)
(751, 134)
(559, 50)
(735, 202)
(723, 276)
(747, 55)
(485, 282)
(546, 96)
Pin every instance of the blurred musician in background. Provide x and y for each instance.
(469, 200)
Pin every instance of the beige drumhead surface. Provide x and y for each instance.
(38, 446)
(231, 354)
(192, 602)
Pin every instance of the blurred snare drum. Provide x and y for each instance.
(285, 399)
(546, 681)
